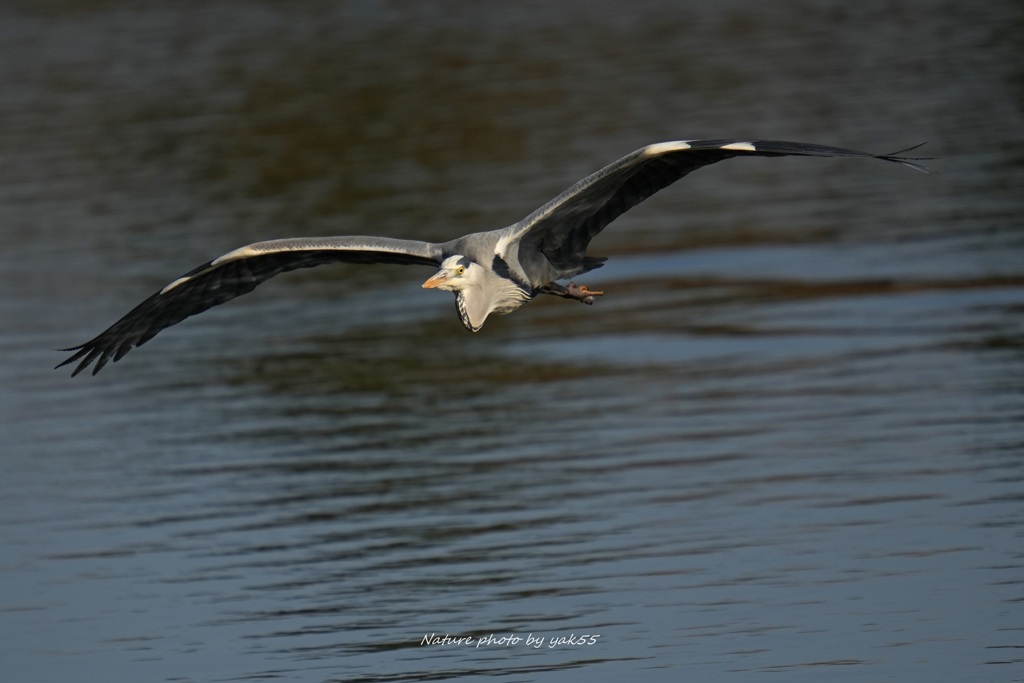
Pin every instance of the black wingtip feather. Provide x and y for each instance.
(908, 161)
(79, 352)
(87, 353)
(100, 362)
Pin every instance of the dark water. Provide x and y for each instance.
(787, 445)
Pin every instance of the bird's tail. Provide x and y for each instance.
(592, 263)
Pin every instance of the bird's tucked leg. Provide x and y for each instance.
(571, 291)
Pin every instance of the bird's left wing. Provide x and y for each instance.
(236, 273)
(562, 228)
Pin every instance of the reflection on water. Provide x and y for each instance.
(787, 441)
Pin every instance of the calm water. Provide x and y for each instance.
(787, 445)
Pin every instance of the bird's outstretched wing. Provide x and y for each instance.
(562, 229)
(236, 273)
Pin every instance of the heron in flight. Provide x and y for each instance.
(489, 272)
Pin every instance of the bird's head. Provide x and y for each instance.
(457, 274)
(468, 279)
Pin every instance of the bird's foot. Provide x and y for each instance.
(573, 291)
(581, 293)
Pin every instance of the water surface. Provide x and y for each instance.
(787, 441)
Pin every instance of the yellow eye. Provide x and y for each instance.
(461, 270)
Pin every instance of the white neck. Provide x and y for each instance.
(494, 295)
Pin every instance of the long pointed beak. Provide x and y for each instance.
(437, 279)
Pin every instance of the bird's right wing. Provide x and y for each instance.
(236, 273)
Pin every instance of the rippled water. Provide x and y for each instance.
(788, 441)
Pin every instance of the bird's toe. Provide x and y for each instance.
(582, 293)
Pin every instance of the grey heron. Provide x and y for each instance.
(490, 272)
